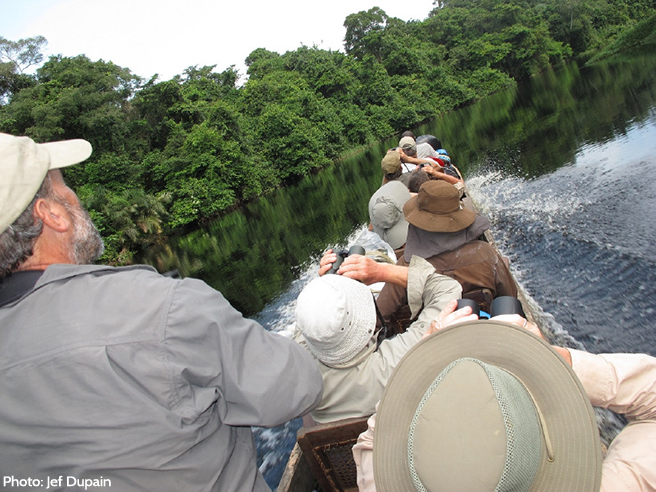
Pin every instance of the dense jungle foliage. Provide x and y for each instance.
(169, 155)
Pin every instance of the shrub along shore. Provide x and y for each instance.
(170, 155)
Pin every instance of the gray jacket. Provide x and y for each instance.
(150, 382)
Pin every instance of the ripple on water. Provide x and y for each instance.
(581, 243)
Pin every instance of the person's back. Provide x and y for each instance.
(425, 150)
(142, 379)
(446, 235)
(120, 375)
(476, 265)
(336, 322)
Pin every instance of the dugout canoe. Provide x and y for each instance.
(321, 459)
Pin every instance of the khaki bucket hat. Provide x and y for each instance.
(437, 208)
(484, 406)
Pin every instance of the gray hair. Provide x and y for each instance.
(17, 242)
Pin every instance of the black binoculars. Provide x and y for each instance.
(500, 305)
(341, 255)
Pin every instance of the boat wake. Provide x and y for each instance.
(580, 244)
(580, 241)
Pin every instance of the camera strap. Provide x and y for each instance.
(382, 333)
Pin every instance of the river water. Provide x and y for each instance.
(563, 166)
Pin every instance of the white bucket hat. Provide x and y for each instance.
(337, 317)
(23, 167)
(386, 213)
(485, 405)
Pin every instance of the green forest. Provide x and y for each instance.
(171, 155)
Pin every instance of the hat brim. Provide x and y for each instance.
(452, 222)
(67, 152)
(570, 420)
(396, 235)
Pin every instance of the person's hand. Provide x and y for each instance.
(361, 268)
(433, 171)
(439, 174)
(428, 170)
(357, 267)
(518, 320)
(409, 159)
(327, 261)
(450, 316)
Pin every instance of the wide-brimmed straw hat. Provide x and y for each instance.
(386, 213)
(437, 208)
(337, 318)
(23, 167)
(483, 406)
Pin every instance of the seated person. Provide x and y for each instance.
(435, 167)
(446, 235)
(423, 149)
(408, 149)
(432, 140)
(386, 214)
(336, 323)
(417, 179)
(447, 165)
(148, 381)
(510, 385)
(392, 167)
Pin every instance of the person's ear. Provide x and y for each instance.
(52, 214)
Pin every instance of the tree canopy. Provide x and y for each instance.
(15, 58)
(169, 155)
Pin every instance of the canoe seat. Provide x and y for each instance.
(327, 449)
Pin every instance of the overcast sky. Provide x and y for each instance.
(167, 36)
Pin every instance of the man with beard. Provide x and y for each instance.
(120, 376)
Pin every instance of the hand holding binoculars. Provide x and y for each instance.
(500, 305)
(341, 255)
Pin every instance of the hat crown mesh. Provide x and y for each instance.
(524, 445)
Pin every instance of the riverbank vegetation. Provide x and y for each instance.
(169, 155)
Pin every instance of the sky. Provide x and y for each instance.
(165, 37)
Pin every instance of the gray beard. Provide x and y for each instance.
(86, 243)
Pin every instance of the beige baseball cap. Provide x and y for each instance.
(408, 145)
(23, 167)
